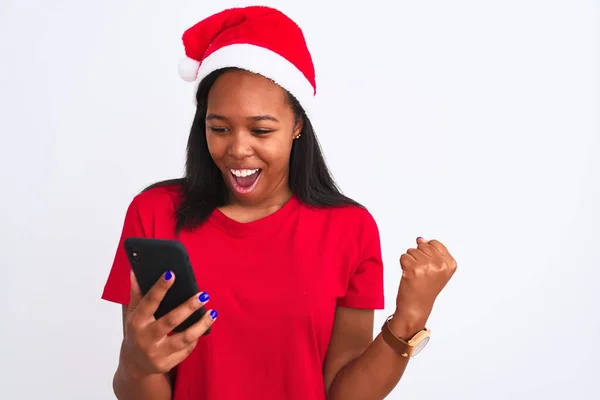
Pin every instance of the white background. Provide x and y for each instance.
(474, 122)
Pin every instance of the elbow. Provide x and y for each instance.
(334, 385)
(116, 384)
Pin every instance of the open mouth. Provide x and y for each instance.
(244, 181)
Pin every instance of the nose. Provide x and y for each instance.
(240, 146)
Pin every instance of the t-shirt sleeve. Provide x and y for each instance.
(117, 287)
(365, 286)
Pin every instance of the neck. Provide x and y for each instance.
(275, 200)
(242, 211)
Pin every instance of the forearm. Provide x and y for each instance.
(375, 373)
(150, 387)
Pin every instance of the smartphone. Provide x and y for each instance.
(150, 259)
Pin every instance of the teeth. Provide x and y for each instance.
(240, 173)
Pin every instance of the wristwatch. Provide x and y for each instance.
(406, 348)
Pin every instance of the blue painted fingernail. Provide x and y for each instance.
(213, 314)
(203, 297)
(168, 276)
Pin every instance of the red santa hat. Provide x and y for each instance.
(258, 39)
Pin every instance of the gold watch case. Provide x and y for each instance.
(406, 348)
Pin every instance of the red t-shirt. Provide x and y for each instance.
(275, 282)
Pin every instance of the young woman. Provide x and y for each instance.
(292, 266)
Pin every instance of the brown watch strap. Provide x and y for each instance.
(397, 344)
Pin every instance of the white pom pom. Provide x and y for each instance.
(188, 69)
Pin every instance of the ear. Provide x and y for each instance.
(298, 125)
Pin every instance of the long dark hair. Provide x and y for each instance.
(203, 188)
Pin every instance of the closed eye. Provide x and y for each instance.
(257, 132)
(260, 132)
(218, 130)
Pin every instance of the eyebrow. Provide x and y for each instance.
(253, 118)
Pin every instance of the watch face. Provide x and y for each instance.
(420, 346)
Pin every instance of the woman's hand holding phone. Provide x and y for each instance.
(148, 346)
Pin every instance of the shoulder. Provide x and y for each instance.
(154, 208)
(346, 218)
(166, 197)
